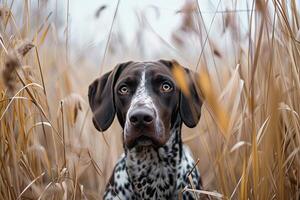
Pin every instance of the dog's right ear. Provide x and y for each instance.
(101, 98)
(189, 106)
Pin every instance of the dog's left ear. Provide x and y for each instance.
(101, 98)
(189, 105)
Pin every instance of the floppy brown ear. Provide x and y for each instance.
(189, 106)
(101, 98)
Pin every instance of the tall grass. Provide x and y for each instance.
(248, 138)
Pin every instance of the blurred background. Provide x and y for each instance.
(247, 55)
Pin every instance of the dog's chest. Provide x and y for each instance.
(154, 173)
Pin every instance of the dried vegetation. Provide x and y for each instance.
(248, 139)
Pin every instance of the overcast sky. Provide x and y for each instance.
(85, 26)
(89, 32)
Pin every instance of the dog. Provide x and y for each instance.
(151, 108)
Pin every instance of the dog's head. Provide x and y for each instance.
(146, 99)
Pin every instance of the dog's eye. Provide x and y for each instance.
(123, 90)
(166, 87)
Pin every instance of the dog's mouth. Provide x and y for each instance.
(144, 136)
(142, 140)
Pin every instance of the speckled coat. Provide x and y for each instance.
(149, 173)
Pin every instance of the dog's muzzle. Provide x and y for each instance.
(142, 128)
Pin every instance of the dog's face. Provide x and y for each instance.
(146, 99)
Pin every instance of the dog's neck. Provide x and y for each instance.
(155, 170)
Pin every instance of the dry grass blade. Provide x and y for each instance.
(29, 185)
(238, 145)
(2, 44)
(209, 193)
(11, 101)
(181, 79)
(109, 36)
(244, 182)
(291, 156)
(44, 35)
(45, 190)
(210, 97)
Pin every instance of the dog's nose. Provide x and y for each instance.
(141, 117)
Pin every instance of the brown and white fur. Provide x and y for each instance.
(151, 109)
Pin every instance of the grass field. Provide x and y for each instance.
(248, 138)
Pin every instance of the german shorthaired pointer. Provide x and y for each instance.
(151, 109)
